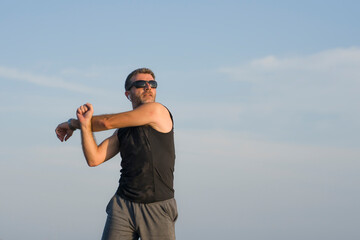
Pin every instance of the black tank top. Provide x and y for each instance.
(148, 159)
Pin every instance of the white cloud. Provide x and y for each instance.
(320, 81)
(80, 73)
(343, 63)
(45, 81)
(310, 97)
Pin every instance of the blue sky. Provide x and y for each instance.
(264, 96)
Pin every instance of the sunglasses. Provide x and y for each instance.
(142, 84)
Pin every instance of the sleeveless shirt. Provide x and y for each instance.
(147, 165)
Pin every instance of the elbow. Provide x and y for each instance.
(100, 125)
(92, 163)
(105, 124)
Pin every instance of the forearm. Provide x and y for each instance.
(97, 123)
(146, 114)
(89, 146)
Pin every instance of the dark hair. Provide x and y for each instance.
(133, 73)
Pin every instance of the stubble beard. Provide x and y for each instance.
(141, 99)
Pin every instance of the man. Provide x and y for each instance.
(144, 204)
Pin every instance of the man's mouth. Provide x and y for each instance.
(147, 94)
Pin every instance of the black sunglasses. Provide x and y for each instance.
(142, 84)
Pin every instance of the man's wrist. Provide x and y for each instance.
(70, 125)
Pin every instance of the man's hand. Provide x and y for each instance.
(63, 132)
(84, 114)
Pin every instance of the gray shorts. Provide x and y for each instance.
(127, 220)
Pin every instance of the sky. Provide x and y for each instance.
(264, 96)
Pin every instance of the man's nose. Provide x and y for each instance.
(147, 85)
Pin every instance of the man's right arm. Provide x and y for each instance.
(95, 154)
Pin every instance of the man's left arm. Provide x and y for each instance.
(153, 114)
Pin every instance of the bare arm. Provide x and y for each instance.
(153, 114)
(64, 131)
(94, 154)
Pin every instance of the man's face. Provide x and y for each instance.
(146, 94)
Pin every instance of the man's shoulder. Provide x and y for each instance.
(157, 108)
(163, 121)
(155, 105)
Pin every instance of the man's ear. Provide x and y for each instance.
(127, 94)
